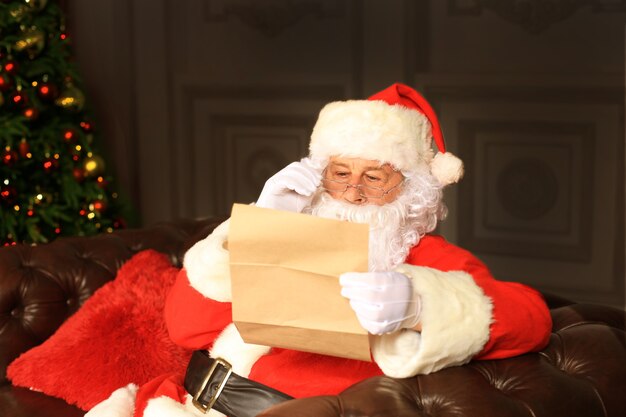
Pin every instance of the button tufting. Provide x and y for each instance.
(137, 247)
(16, 312)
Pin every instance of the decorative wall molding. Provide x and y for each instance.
(417, 47)
(213, 133)
(527, 187)
(247, 150)
(533, 15)
(534, 202)
(272, 17)
(547, 249)
(526, 93)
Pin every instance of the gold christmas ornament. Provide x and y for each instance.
(71, 99)
(94, 166)
(42, 198)
(36, 5)
(32, 42)
(18, 11)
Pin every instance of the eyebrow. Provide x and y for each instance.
(369, 168)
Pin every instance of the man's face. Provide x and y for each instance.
(361, 181)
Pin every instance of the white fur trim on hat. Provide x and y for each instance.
(455, 317)
(121, 403)
(207, 265)
(373, 129)
(241, 355)
(447, 168)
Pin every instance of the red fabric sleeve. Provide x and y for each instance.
(521, 319)
(193, 320)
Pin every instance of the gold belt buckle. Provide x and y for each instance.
(196, 398)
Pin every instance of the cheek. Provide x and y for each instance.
(389, 198)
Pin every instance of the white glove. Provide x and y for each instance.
(383, 301)
(291, 188)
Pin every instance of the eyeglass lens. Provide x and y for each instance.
(363, 190)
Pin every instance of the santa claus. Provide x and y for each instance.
(427, 303)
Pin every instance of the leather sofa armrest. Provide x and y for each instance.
(579, 374)
(42, 285)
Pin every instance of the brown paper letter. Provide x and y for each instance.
(285, 271)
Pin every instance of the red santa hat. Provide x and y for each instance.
(395, 126)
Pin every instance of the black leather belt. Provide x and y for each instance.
(213, 384)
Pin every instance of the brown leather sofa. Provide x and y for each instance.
(582, 372)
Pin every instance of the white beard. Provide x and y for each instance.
(389, 244)
(395, 227)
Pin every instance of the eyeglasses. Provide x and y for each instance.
(365, 191)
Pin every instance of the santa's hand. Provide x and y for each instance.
(291, 188)
(383, 301)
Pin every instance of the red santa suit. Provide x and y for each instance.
(466, 314)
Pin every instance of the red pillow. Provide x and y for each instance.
(117, 337)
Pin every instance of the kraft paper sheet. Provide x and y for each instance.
(285, 271)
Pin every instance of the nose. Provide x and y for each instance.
(353, 196)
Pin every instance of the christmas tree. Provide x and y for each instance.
(52, 177)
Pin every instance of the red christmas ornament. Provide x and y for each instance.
(57, 230)
(30, 212)
(11, 67)
(8, 193)
(47, 91)
(18, 99)
(9, 157)
(69, 135)
(119, 223)
(87, 126)
(5, 82)
(31, 113)
(50, 164)
(24, 148)
(79, 174)
(101, 182)
(99, 206)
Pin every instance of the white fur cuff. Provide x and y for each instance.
(455, 318)
(207, 265)
(121, 403)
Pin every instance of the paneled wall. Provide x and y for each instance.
(202, 100)
(534, 105)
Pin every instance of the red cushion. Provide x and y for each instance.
(117, 337)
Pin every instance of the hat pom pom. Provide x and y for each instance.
(447, 168)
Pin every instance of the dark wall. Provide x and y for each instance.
(202, 100)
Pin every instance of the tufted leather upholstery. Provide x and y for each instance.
(581, 373)
(41, 286)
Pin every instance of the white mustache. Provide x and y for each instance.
(395, 227)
